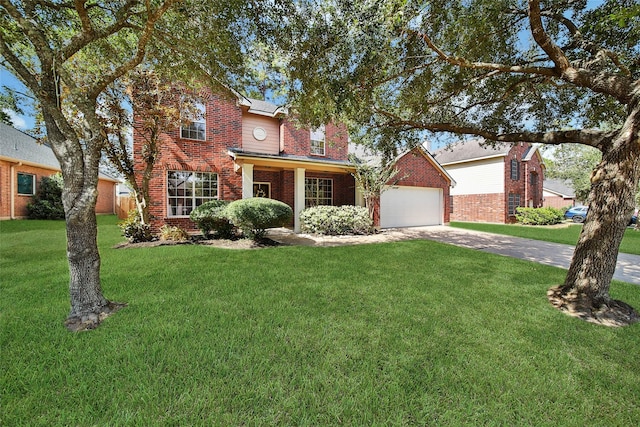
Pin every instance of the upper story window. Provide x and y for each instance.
(194, 127)
(188, 190)
(515, 170)
(318, 141)
(26, 184)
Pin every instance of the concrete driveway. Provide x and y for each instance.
(555, 254)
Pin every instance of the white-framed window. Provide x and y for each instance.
(262, 189)
(318, 141)
(195, 127)
(514, 202)
(187, 190)
(26, 184)
(515, 170)
(318, 191)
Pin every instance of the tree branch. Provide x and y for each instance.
(143, 40)
(591, 137)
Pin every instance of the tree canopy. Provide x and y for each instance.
(548, 72)
(69, 53)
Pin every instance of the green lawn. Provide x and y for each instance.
(406, 333)
(567, 235)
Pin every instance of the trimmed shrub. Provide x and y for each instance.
(539, 216)
(173, 233)
(134, 230)
(211, 217)
(336, 220)
(47, 203)
(254, 216)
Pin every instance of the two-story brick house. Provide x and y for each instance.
(491, 182)
(242, 148)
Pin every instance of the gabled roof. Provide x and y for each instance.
(559, 187)
(263, 108)
(373, 158)
(18, 146)
(466, 151)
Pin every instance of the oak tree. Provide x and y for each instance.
(551, 72)
(68, 53)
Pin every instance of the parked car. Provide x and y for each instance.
(634, 218)
(577, 213)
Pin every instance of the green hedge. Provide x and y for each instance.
(212, 217)
(539, 216)
(47, 203)
(336, 220)
(254, 216)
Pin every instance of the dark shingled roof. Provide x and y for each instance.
(470, 150)
(559, 186)
(19, 146)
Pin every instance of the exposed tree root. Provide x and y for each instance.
(610, 313)
(92, 320)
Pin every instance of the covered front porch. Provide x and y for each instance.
(298, 181)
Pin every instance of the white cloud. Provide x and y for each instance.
(18, 121)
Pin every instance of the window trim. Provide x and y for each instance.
(515, 170)
(33, 184)
(194, 197)
(322, 143)
(513, 202)
(201, 120)
(317, 179)
(268, 184)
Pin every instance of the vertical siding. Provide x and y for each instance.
(480, 177)
(271, 145)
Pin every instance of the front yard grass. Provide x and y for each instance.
(405, 333)
(568, 234)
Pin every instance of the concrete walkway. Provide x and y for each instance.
(554, 254)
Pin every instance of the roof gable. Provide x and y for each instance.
(466, 151)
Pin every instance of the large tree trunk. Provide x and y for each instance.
(585, 292)
(79, 195)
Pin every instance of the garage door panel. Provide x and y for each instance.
(410, 207)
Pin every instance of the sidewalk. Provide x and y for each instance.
(554, 254)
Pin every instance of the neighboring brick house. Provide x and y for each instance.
(244, 148)
(24, 162)
(492, 181)
(557, 193)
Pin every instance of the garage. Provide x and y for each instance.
(404, 206)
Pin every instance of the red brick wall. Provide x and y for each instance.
(20, 201)
(106, 197)
(297, 141)
(223, 130)
(479, 208)
(104, 204)
(557, 202)
(417, 170)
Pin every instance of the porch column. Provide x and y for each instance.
(298, 197)
(247, 180)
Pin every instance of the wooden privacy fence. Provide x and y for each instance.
(123, 205)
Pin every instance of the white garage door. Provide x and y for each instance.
(410, 207)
